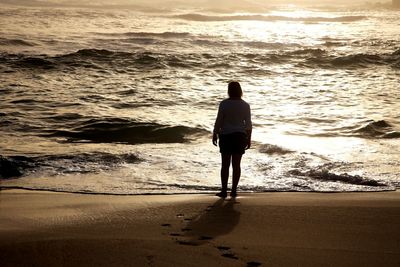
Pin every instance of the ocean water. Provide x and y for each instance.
(123, 101)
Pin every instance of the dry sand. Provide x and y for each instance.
(268, 229)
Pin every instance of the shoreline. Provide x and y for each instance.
(212, 193)
(40, 228)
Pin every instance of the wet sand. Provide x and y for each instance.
(269, 229)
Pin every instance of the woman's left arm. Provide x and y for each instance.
(249, 127)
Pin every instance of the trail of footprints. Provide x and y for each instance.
(224, 250)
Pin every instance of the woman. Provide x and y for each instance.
(233, 128)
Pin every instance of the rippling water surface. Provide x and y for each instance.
(123, 102)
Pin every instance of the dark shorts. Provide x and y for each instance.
(233, 143)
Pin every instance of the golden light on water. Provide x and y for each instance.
(320, 81)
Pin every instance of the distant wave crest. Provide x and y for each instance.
(323, 59)
(15, 42)
(121, 61)
(200, 17)
(150, 34)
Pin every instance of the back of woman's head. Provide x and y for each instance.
(234, 89)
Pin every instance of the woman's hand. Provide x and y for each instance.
(214, 139)
(248, 132)
(248, 144)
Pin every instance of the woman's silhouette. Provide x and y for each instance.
(233, 128)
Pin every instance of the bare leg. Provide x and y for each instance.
(226, 162)
(236, 158)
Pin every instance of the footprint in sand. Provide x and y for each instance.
(253, 264)
(175, 234)
(187, 243)
(226, 253)
(230, 255)
(150, 260)
(205, 237)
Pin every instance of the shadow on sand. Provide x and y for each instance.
(217, 219)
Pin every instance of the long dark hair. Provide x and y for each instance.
(234, 89)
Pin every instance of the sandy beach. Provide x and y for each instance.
(121, 119)
(269, 229)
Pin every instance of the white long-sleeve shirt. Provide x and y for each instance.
(233, 116)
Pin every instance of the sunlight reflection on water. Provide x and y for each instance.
(321, 84)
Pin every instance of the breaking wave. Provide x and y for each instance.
(273, 149)
(372, 129)
(377, 129)
(367, 129)
(325, 175)
(116, 130)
